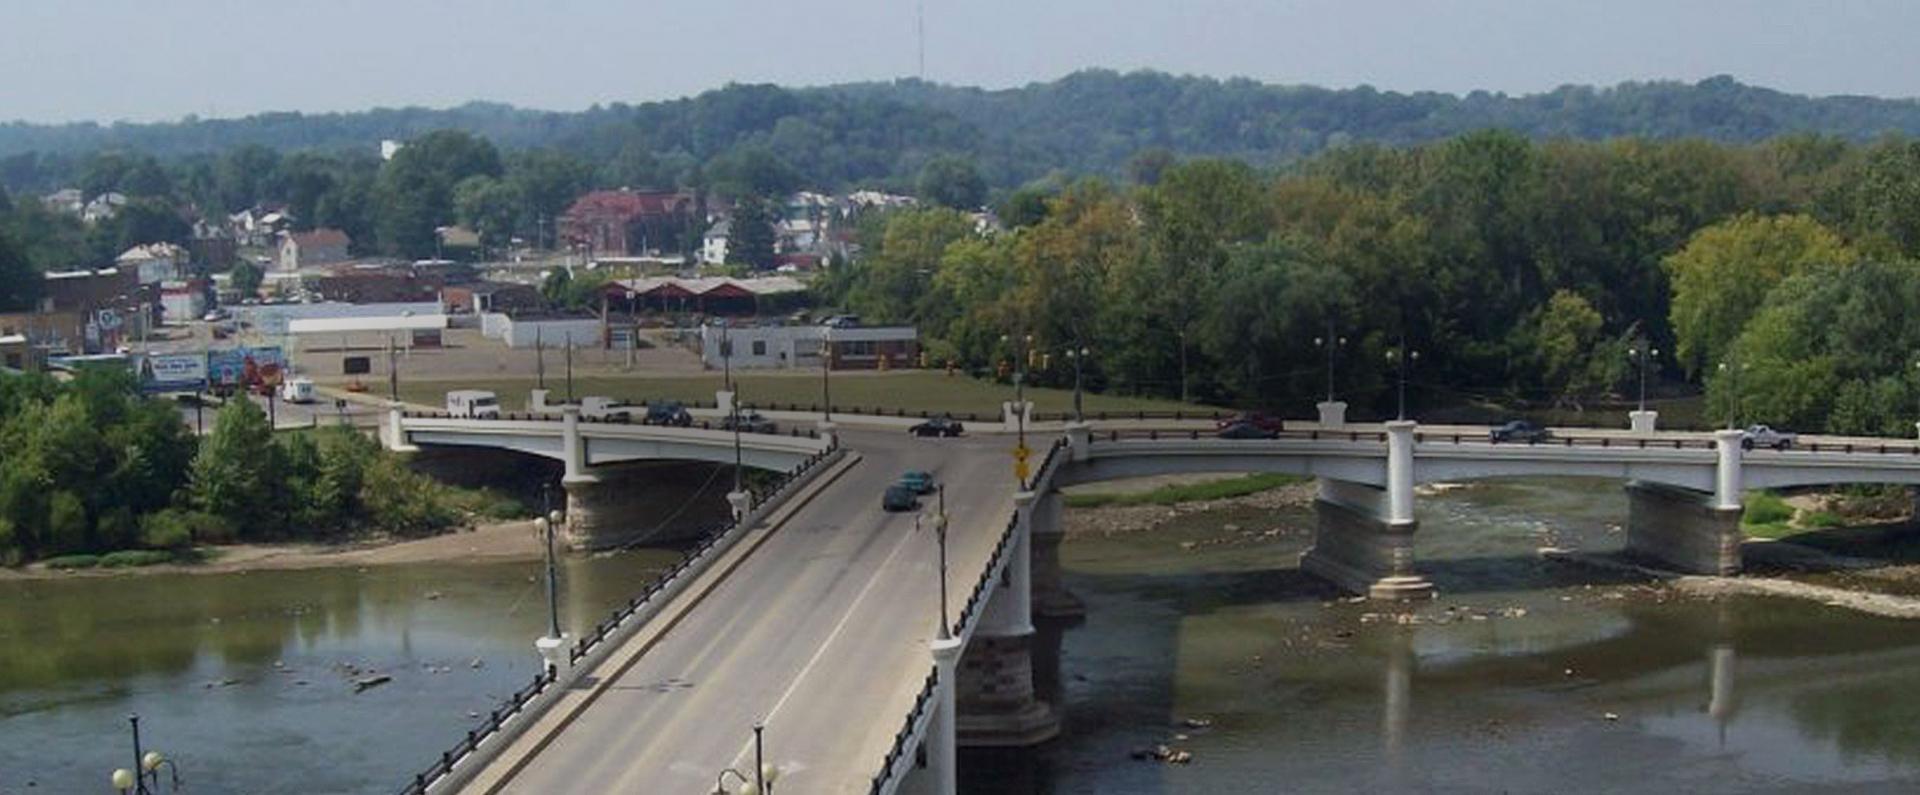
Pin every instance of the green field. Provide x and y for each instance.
(913, 392)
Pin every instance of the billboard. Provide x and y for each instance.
(172, 372)
(249, 367)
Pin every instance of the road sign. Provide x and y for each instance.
(1020, 454)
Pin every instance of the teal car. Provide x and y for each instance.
(917, 481)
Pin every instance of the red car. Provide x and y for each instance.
(1259, 420)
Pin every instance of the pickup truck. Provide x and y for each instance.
(1763, 436)
(604, 408)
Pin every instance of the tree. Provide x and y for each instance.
(237, 471)
(20, 282)
(751, 234)
(951, 181)
(414, 194)
(1726, 270)
(247, 278)
(490, 207)
(1575, 359)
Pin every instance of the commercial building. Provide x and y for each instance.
(318, 247)
(781, 347)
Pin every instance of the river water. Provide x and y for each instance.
(1523, 676)
(1505, 683)
(248, 679)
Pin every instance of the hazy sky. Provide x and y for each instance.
(143, 60)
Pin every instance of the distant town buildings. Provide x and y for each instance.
(154, 263)
(627, 222)
(318, 247)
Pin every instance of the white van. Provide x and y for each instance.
(474, 403)
(297, 390)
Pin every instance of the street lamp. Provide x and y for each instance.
(152, 761)
(940, 536)
(145, 765)
(764, 775)
(726, 354)
(1401, 356)
(569, 339)
(1079, 356)
(1640, 355)
(826, 370)
(548, 524)
(1024, 346)
(1332, 344)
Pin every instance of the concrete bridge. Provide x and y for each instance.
(820, 618)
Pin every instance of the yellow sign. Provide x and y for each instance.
(1021, 452)
(1020, 469)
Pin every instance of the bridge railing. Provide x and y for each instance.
(591, 641)
(903, 738)
(618, 419)
(1585, 440)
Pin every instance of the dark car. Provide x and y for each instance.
(1519, 431)
(1245, 429)
(898, 498)
(749, 422)
(1258, 419)
(938, 426)
(667, 414)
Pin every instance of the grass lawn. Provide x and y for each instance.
(1175, 494)
(912, 391)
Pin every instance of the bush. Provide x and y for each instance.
(1189, 492)
(1766, 508)
(128, 558)
(1822, 519)
(73, 562)
(489, 503)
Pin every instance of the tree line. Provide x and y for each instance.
(91, 466)
(1522, 273)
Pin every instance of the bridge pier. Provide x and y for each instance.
(997, 705)
(1051, 599)
(1682, 529)
(1364, 541)
(396, 436)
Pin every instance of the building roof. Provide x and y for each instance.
(625, 204)
(320, 238)
(152, 251)
(343, 325)
(717, 286)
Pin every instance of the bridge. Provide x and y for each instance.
(820, 618)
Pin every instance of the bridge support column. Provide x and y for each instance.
(1643, 421)
(1333, 414)
(942, 741)
(573, 447)
(1079, 440)
(396, 436)
(1364, 542)
(995, 678)
(738, 502)
(1689, 531)
(1051, 599)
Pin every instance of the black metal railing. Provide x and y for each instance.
(921, 703)
(586, 644)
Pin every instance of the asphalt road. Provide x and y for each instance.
(822, 634)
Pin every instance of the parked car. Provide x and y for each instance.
(667, 413)
(1245, 429)
(942, 425)
(1258, 419)
(750, 422)
(1520, 431)
(898, 498)
(1763, 436)
(920, 482)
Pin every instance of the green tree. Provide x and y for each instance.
(20, 282)
(247, 278)
(1726, 270)
(751, 234)
(952, 181)
(237, 470)
(414, 194)
(490, 207)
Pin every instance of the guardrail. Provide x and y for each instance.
(921, 703)
(795, 432)
(1573, 440)
(591, 642)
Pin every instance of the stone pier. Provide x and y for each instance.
(1364, 540)
(1051, 599)
(997, 706)
(621, 505)
(1682, 529)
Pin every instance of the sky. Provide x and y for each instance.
(140, 60)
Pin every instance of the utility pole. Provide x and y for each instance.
(569, 368)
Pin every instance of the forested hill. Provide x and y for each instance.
(1092, 121)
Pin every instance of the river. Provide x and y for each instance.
(1524, 676)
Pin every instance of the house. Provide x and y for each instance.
(626, 222)
(457, 239)
(713, 245)
(103, 207)
(259, 226)
(65, 200)
(480, 297)
(153, 263)
(318, 247)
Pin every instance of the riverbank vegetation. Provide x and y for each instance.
(1178, 493)
(94, 469)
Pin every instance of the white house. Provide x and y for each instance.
(318, 247)
(103, 206)
(153, 263)
(713, 246)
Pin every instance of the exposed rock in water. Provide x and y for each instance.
(366, 682)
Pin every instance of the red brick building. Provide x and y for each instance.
(628, 222)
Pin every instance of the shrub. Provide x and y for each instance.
(73, 562)
(128, 558)
(1766, 508)
(1822, 519)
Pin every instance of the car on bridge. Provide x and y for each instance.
(919, 481)
(1246, 429)
(605, 408)
(898, 498)
(1258, 419)
(1520, 431)
(749, 422)
(942, 425)
(1763, 436)
(667, 413)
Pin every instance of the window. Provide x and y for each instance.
(759, 347)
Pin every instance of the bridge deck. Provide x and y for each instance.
(821, 632)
